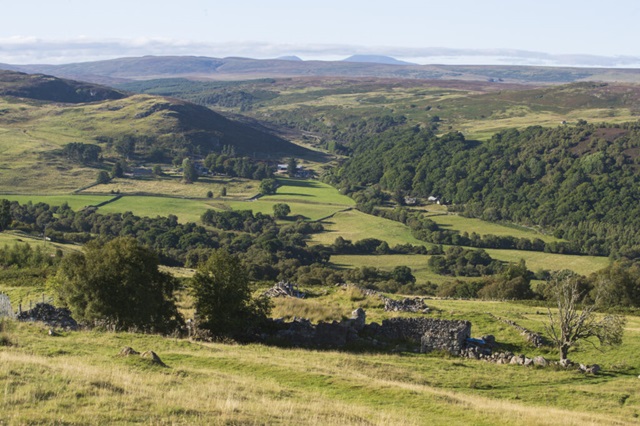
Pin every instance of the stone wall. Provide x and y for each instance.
(5, 306)
(50, 315)
(532, 337)
(417, 334)
(431, 334)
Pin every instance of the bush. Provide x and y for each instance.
(103, 177)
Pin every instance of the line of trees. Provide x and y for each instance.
(118, 284)
(579, 182)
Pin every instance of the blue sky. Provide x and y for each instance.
(73, 30)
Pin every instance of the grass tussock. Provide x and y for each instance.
(314, 310)
(6, 339)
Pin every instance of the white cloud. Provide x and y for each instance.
(32, 50)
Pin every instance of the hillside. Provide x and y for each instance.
(339, 110)
(376, 59)
(581, 182)
(41, 114)
(48, 88)
(148, 67)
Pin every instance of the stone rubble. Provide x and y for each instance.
(50, 315)
(409, 304)
(284, 289)
(590, 369)
(150, 355)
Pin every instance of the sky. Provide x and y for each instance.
(584, 33)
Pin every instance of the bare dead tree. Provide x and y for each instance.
(570, 325)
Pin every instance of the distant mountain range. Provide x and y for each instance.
(376, 59)
(233, 68)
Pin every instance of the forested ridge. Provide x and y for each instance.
(579, 182)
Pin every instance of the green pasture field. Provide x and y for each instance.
(310, 211)
(536, 260)
(17, 237)
(185, 209)
(583, 265)
(305, 190)
(78, 378)
(173, 186)
(76, 202)
(418, 264)
(464, 224)
(355, 225)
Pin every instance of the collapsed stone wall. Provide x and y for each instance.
(431, 334)
(50, 315)
(420, 334)
(284, 289)
(408, 304)
(532, 337)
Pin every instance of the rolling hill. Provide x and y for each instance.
(234, 68)
(48, 88)
(40, 114)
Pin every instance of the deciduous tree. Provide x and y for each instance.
(281, 210)
(118, 283)
(222, 296)
(569, 324)
(189, 173)
(268, 186)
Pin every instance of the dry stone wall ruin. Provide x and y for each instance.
(419, 334)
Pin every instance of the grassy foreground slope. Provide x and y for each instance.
(78, 378)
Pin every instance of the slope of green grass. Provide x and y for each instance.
(309, 211)
(418, 264)
(583, 265)
(310, 191)
(174, 186)
(355, 225)
(77, 378)
(536, 260)
(464, 224)
(185, 209)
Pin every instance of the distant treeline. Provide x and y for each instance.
(269, 251)
(427, 230)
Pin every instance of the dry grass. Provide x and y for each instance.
(173, 186)
(78, 379)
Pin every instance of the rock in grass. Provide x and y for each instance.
(127, 350)
(155, 359)
(594, 369)
(540, 361)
